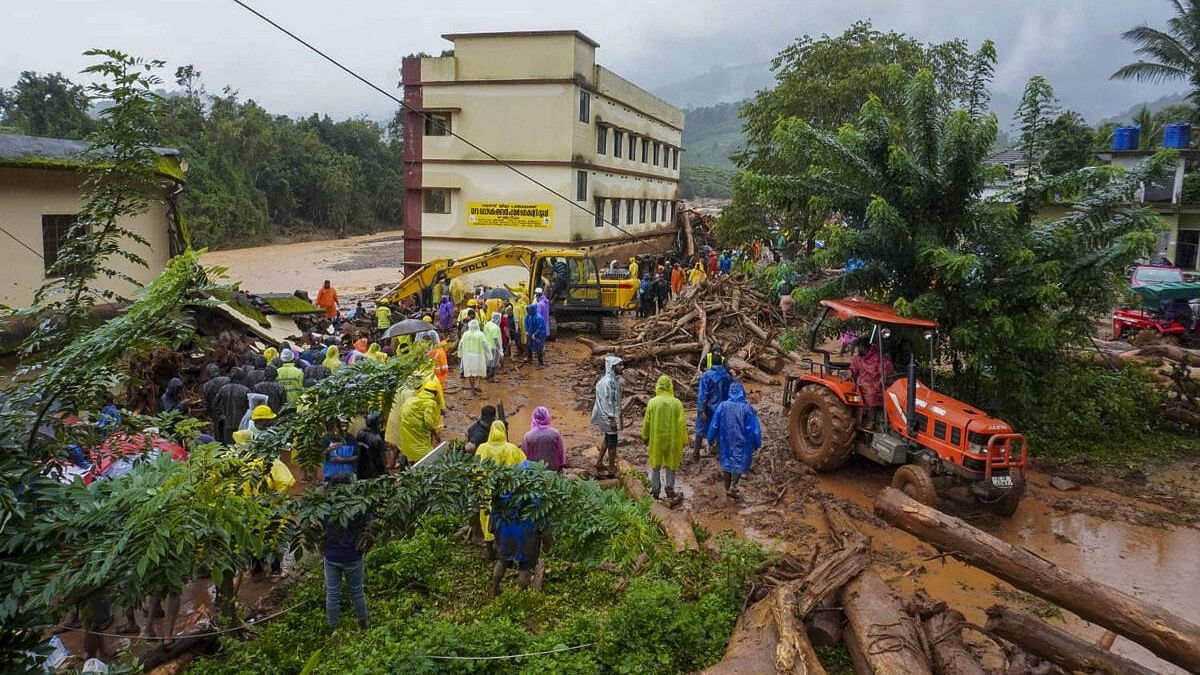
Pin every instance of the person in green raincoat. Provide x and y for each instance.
(420, 417)
(664, 429)
(499, 451)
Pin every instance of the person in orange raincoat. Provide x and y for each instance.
(676, 279)
(327, 299)
(441, 366)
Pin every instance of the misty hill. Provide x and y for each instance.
(1155, 106)
(721, 84)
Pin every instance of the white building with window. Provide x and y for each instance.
(551, 150)
(40, 181)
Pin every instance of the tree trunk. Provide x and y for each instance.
(861, 665)
(750, 371)
(824, 625)
(943, 634)
(678, 527)
(179, 646)
(793, 653)
(1169, 636)
(753, 646)
(658, 352)
(1057, 645)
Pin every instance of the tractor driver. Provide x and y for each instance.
(868, 370)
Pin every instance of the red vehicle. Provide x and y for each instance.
(935, 440)
(1167, 304)
(1150, 275)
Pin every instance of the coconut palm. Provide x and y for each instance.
(1151, 125)
(1171, 54)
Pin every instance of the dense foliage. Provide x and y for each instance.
(252, 175)
(705, 181)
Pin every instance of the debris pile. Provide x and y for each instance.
(727, 312)
(1175, 368)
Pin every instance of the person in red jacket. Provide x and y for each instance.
(869, 369)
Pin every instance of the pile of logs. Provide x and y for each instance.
(725, 311)
(886, 635)
(1176, 368)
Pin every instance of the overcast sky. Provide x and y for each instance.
(1076, 43)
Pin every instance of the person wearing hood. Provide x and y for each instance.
(291, 377)
(606, 412)
(383, 318)
(713, 264)
(253, 401)
(269, 356)
(252, 375)
(372, 450)
(420, 418)
(491, 329)
(375, 353)
(498, 451)
(697, 274)
(664, 429)
(736, 431)
(543, 443)
(441, 363)
(213, 381)
(445, 313)
(474, 351)
(331, 361)
(535, 338)
(633, 267)
(327, 299)
(676, 279)
(359, 352)
(275, 391)
(172, 397)
(519, 539)
(519, 311)
(253, 358)
(714, 388)
(543, 308)
(229, 405)
(315, 373)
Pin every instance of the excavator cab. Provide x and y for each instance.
(935, 440)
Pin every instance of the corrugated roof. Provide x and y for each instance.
(18, 146)
(1011, 156)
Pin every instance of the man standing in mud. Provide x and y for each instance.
(606, 413)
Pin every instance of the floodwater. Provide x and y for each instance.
(1157, 562)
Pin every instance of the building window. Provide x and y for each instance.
(581, 186)
(632, 147)
(1187, 246)
(437, 200)
(629, 212)
(599, 212)
(656, 154)
(667, 157)
(585, 106)
(675, 159)
(642, 212)
(654, 210)
(645, 150)
(617, 138)
(601, 140)
(615, 218)
(437, 124)
(55, 230)
(673, 206)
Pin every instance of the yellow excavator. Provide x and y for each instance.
(578, 295)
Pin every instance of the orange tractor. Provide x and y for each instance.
(936, 441)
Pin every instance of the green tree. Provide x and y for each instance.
(1009, 290)
(1072, 144)
(46, 105)
(1167, 55)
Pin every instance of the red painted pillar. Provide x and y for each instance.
(414, 135)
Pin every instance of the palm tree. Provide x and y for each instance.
(1151, 128)
(1173, 54)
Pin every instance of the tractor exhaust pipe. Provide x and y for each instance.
(911, 403)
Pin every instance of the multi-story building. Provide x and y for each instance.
(521, 137)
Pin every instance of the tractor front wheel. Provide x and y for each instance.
(820, 428)
(1006, 505)
(914, 480)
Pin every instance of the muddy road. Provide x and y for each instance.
(1142, 538)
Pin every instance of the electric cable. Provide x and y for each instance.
(429, 117)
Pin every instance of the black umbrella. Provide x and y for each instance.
(498, 293)
(407, 327)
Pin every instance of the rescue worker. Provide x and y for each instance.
(289, 375)
(253, 401)
(606, 413)
(498, 451)
(713, 264)
(736, 431)
(172, 397)
(696, 275)
(491, 329)
(420, 418)
(214, 380)
(677, 279)
(372, 457)
(535, 337)
(543, 443)
(543, 308)
(446, 314)
(375, 353)
(441, 366)
(474, 352)
(519, 540)
(327, 299)
(714, 357)
(714, 388)
(467, 312)
(273, 389)
(664, 429)
(229, 405)
(633, 268)
(383, 318)
(331, 361)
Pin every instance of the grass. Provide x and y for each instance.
(242, 308)
(291, 305)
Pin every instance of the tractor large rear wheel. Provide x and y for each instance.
(820, 428)
(915, 481)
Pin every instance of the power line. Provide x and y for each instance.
(426, 116)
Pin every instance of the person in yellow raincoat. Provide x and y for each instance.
(375, 353)
(696, 275)
(420, 418)
(458, 290)
(493, 305)
(633, 266)
(332, 362)
(499, 451)
(664, 428)
(520, 310)
(269, 355)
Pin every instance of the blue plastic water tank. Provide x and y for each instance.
(1126, 138)
(1177, 136)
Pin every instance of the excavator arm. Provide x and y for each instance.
(501, 255)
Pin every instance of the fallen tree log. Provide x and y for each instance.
(793, 653)
(183, 644)
(677, 525)
(632, 357)
(753, 646)
(1169, 636)
(889, 638)
(750, 371)
(824, 625)
(1183, 414)
(943, 634)
(1057, 645)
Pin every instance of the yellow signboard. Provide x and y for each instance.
(510, 214)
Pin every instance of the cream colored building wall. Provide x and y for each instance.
(615, 86)
(28, 194)
(512, 121)
(496, 183)
(518, 56)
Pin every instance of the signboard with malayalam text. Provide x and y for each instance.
(510, 214)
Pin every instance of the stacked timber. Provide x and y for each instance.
(1174, 367)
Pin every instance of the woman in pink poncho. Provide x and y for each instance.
(543, 443)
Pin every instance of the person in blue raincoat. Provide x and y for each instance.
(714, 388)
(736, 430)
